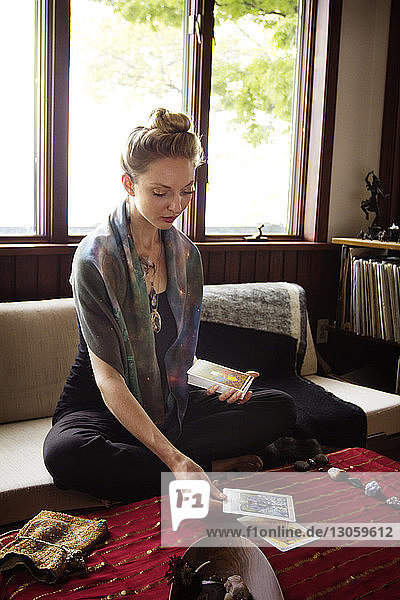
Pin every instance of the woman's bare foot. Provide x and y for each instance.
(245, 463)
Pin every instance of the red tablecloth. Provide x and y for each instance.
(132, 563)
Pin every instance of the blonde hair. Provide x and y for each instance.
(167, 135)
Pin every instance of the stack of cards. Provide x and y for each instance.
(205, 374)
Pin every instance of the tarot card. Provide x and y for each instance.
(284, 535)
(263, 504)
(205, 374)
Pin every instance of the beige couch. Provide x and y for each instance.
(38, 345)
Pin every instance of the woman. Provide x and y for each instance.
(126, 412)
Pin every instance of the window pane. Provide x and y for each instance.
(17, 118)
(253, 75)
(123, 65)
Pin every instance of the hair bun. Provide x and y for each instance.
(168, 122)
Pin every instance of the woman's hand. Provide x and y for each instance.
(185, 468)
(231, 395)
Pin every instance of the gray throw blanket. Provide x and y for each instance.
(275, 307)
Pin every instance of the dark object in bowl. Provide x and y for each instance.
(243, 558)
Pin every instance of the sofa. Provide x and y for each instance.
(39, 343)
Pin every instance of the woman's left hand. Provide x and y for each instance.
(232, 395)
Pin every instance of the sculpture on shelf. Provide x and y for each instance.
(260, 236)
(371, 205)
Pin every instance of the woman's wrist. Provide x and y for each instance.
(175, 460)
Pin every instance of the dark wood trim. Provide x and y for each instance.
(389, 169)
(37, 249)
(50, 248)
(327, 45)
(303, 116)
(198, 104)
(58, 134)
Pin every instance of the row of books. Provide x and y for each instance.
(369, 295)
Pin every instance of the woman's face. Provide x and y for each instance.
(163, 192)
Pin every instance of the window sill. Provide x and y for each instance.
(265, 245)
(14, 249)
(41, 248)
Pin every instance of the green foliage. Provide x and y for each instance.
(151, 12)
(253, 58)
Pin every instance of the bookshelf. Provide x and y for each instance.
(368, 304)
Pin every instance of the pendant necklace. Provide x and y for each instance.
(149, 266)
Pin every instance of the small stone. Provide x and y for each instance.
(394, 501)
(355, 482)
(373, 489)
(321, 470)
(312, 463)
(337, 474)
(321, 459)
(301, 465)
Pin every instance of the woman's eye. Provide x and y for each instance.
(158, 194)
(189, 193)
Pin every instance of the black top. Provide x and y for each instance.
(80, 390)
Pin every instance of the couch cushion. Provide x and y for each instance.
(382, 409)
(39, 342)
(26, 487)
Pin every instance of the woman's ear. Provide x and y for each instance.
(128, 184)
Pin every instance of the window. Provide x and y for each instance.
(18, 159)
(251, 115)
(93, 69)
(120, 69)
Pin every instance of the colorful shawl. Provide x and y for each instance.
(113, 309)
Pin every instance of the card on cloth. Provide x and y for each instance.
(205, 374)
(264, 504)
(284, 535)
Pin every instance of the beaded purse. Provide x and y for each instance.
(52, 545)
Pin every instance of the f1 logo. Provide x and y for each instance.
(189, 499)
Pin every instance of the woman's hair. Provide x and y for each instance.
(167, 135)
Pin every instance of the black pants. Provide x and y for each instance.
(92, 452)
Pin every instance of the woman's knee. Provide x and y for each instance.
(63, 453)
(288, 407)
(283, 411)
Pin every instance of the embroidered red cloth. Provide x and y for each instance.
(132, 564)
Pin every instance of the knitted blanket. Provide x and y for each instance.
(262, 327)
(276, 307)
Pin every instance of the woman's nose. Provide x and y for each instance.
(176, 203)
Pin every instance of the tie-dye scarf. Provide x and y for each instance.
(112, 305)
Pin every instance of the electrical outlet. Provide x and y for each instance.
(322, 331)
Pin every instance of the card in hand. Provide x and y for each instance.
(205, 374)
(263, 504)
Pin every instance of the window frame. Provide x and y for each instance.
(320, 32)
(315, 125)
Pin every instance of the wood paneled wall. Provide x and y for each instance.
(43, 272)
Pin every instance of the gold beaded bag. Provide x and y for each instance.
(53, 545)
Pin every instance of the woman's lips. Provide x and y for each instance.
(168, 219)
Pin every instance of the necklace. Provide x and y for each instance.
(150, 268)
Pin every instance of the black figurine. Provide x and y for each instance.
(371, 204)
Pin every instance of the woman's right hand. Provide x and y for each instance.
(185, 468)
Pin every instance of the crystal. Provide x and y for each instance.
(355, 482)
(373, 489)
(338, 474)
(394, 501)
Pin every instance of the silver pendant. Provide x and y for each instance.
(156, 321)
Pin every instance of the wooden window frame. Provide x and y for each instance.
(314, 127)
(317, 74)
